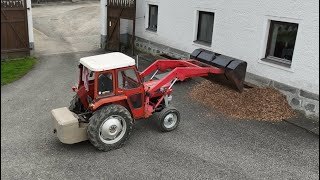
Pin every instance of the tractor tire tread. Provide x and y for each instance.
(75, 104)
(162, 115)
(96, 120)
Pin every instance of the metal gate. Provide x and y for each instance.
(119, 9)
(14, 29)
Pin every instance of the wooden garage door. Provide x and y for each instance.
(113, 43)
(14, 28)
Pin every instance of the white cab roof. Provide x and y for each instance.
(107, 61)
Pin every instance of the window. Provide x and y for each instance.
(90, 75)
(128, 79)
(105, 84)
(205, 27)
(153, 17)
(281, 42)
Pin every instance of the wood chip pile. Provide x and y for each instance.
(264, 104)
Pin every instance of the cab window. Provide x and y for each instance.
(90, 75)
(105, 84)
(127, 79)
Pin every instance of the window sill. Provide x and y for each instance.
(202, 43)
(153, 31)
(276, 64)
(279, 61)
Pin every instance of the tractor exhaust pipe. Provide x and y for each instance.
(235, 69)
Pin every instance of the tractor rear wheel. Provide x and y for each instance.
(110, 127)
(169, 119)
(76, 105)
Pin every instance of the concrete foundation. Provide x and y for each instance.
(103, 41)
(31, 45)
(155, 48)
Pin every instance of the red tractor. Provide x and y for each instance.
(111, 95)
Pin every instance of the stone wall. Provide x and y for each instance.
(156, 48)
(300, 100)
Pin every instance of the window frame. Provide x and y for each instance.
(199, 16)
(149, 17)
(136, 73)
(273, 59)
(96, 81)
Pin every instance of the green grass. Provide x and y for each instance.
(14, 69)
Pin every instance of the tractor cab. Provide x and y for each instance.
(108, 78)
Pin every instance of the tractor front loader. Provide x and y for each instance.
(111, 95)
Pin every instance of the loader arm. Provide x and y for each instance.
(163, 65)
(182, 69)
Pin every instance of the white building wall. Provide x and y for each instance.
(30, 24)
(240, 31)
(103, 22)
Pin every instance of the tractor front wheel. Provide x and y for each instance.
(169, 119)
(110, 127)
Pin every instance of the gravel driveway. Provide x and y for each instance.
(207, 145)
(65, 28)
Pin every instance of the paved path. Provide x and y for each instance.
(205, 146)
(65, 28)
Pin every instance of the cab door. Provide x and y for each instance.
(130, 85)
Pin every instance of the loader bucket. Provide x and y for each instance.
(235, 70)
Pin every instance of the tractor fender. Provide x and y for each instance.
(109, 100)
(121, 100)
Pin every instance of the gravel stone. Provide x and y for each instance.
(265, 104)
